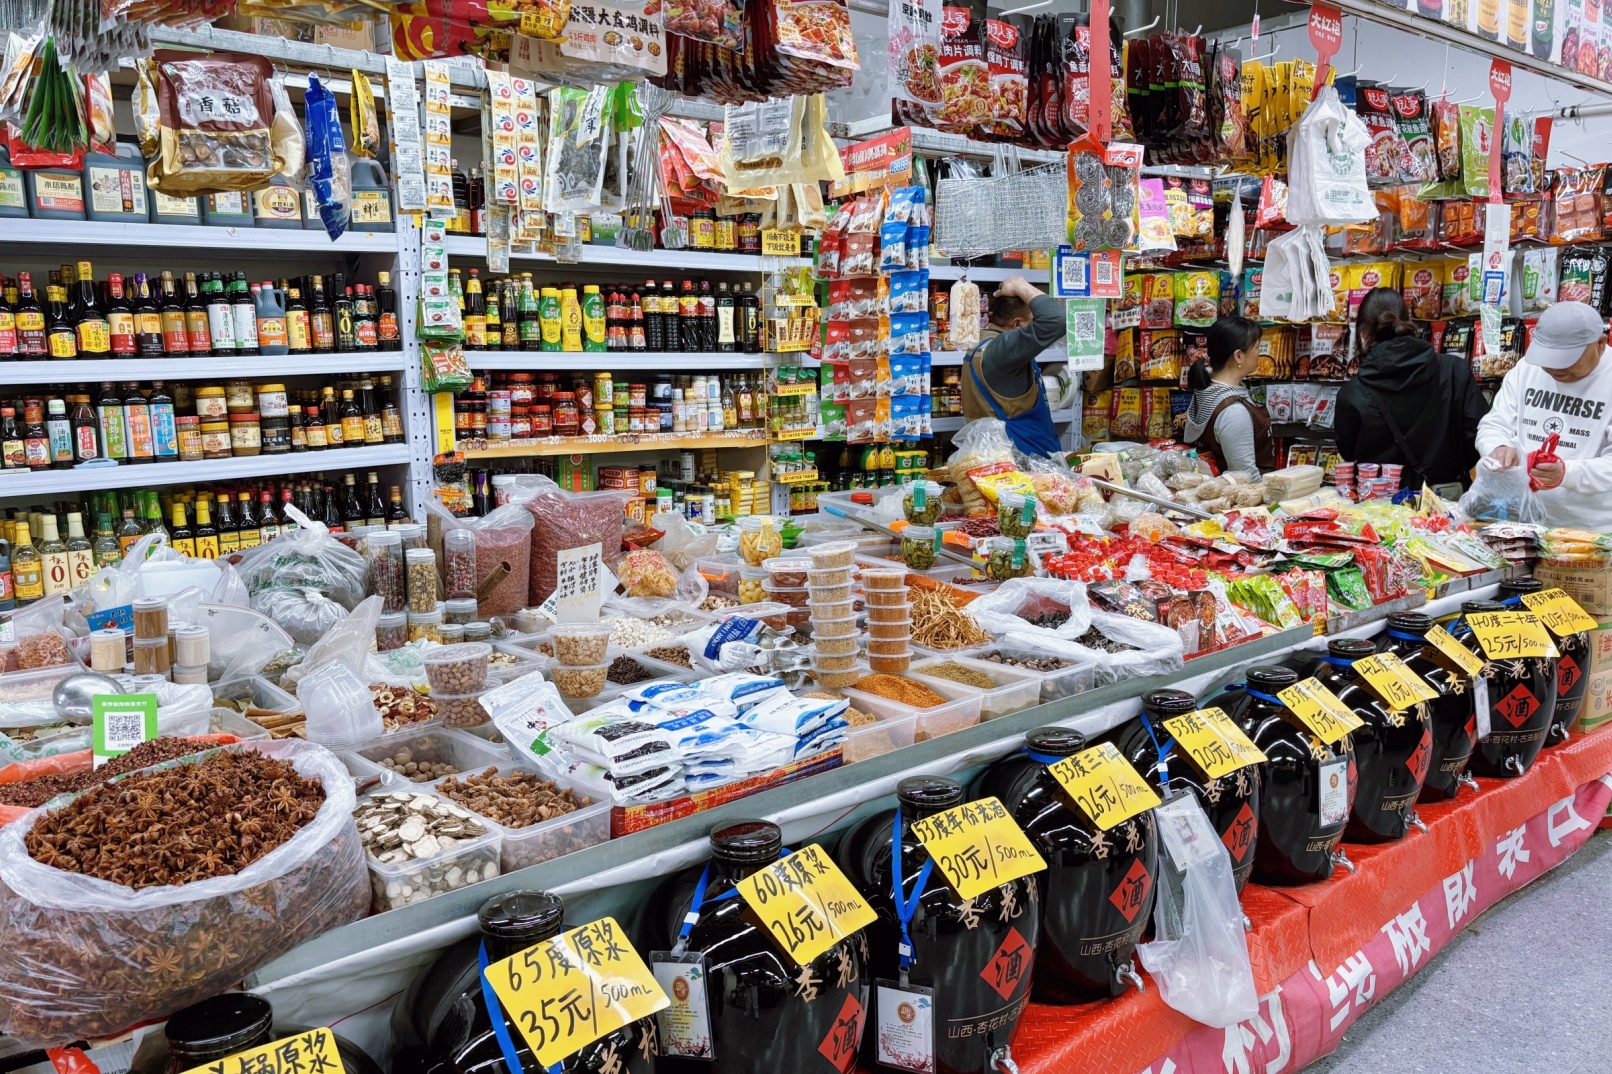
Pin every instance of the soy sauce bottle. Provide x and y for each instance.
(766, 1012)
(1455, 725)
(457, 1031)
(975, 954)
(1572, 669)
(1392, 751)
(1231, 802)
(1521, 704)
(1097, 891)
(1306, 789)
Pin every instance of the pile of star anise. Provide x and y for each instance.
(177, 825)
(36, 792)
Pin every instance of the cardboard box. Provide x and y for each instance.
(1591, 586)
(1596, 708)
(358, 35)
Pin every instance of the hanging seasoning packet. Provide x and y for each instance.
(1410, 115)
(366, 127)
(1446, 118)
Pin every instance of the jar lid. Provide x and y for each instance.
(210, 390)
(1519, 586)
(747, 842)
(219, 1025)
(1270, 678)
(420, 555)
(1482, 606)
(560, 397)
(929, 793)
(925, 534)
(386, 537)
(392, 619)
(524, 917)
(261, 388)
(1411, 623)
(215, 426)
(432, 616)
(1168, 703)
(1351, 648)
(1055, 741)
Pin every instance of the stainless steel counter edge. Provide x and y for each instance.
(941, 755)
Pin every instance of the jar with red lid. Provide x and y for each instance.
(567, 419)
(521, 390)
(545, 387)
(638, 395)
(520, 422)
(542, 421)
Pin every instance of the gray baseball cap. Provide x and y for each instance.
(1562, 333)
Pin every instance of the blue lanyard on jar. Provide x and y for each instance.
(1162, 752)
(495, 1014)
(905, 908)
(692, 918)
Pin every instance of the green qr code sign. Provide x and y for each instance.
(121, 722)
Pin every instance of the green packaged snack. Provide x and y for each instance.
(1348, 587)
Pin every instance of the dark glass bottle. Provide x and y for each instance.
(1455, 727)
(196, 323)
(1572, 668)
(330, 513)
(707, 317)
(320, 322)
(121, 336)
(1392, 750)
(229, 527)
(1096, 894)
(1306, 786)
(749, 322)
(395, 511)
(343, 317)
(147, 319)
(671, 319)
(13, 448)
(447, 1012)
(976, 954)
(175, 334)
(374, 504)
(649, 302)
(387, 332)
(1231, 802)
(767, 1013)
(31, 326)
(94, 336)
(1520, 703)
(61, 336)
(215, 1028)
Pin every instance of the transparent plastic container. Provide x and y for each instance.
(884, 735)
(828, 576)
(837, 678)
(567, 833)
(962, 709)
(833, 554)
(437, 745)
(901, 628)
(579, 680)
(384, 550)
(458, 669)
(420, 567)
(890, 665)
(753, 584)
(829, 594)
(889, 647)
(889, 613)
(966, 650)
(772, 613)
(469, 862)
(222, 721)
(391, 631)
(795, 597)
(511, 661)
(1015, 689)
(579, 644)
(461, 610)
(461, 710)
(886, 598)
(459, 563)
(257, 692)
(835, 628)
(884, 578)
(1056, 685)
(425, 626)
(840, 646)
(340, 709)
(721, 576)
(479, 632)
(838, 609)
(788, 572)
(918, 547)
(451, 633)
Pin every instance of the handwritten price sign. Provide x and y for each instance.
(1394, 681)
(1458, 654)
(1321, 710)
(1558, 611)
(313, 1052)
(978, 846)
(1104, 785)
(1511, 635)
(806, 903)
(567, 992)
(1211, 738)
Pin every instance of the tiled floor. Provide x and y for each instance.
(1526, 989)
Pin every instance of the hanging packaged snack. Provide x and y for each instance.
(1423, 290)
(1416, 132)
(1477, 125)
(1234, 136)
(1582, 275)
(716, 22)
(1538, 285)
(1006, 61)
(1386, 152)
(214, 127)
(329, 172)
(914, 53)
(965, 77)
(366, 125)
(1516, 155)
(578, 146)
(1577, 204)
(1197, 299)
(1446, 123)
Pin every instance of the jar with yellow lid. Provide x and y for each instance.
(215, 440)
(271, 401)
(240, 396)
(245, 434)
(210, 403)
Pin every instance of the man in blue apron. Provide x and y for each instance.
(1001, 377)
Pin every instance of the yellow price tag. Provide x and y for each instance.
(806, 903)
(1560, 612)
(776, 243)
(1215, 741)
(303, 1053)
(1462, 657)
(1321, 710)
(566, 992)
(978, 846)
(1394, 681)
(1510, 635)
(1105, 785)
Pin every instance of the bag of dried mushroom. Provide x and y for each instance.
(211, 124)
(267, 858)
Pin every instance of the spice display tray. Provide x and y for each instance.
(565, 834)
(1055, 685)
(883, 735)
(465, 752)
(1016, 688)
(262, 693)
(960, 710)
(394, 885)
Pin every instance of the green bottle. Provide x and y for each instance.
(594, 325)
(548, 314)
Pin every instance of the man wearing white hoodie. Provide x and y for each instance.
(1562, 386)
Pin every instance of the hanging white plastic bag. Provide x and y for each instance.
(349, 641)
(1199, 957)
(1500, 495)
(1011, 606)
(1327, 165)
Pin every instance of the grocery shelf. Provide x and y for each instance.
(240, 240)
(86, 479)
(572, 445)
(568, 360)
(618, 257)
(271, 365)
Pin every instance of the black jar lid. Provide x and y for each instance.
(521, 918)
(1269, 678)
(1482, 606)
(1055, 741)
(1351, 648)
(929, 794)
(747, 842)
(1518, 586)
(1166, 703)
(219, 1026)
(1410, 623)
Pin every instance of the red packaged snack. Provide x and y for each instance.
(965, 78)
(1005, 57)
(1385, 154)
(914, 53)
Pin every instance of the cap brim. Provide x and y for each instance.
(1552, 357)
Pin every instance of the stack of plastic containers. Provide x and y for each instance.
(833, 615)
(458, 677)
(889, 619)
(580, 658)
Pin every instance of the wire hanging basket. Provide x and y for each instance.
(1013, 209)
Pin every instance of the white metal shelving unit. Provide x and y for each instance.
(86, 479)
(240, 241)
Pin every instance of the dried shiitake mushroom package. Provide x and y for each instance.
(216, 127)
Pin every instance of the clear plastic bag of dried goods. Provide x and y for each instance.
(86, 957)
(1199, 957)
(500, 567)
(567, 520)
(306, 558)
(1045, 608)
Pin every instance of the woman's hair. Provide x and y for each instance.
(1383, 315)
(1226, 337)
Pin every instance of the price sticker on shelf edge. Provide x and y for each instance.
(776, 243)
(978, 846)
(806, 903)
(566, 992)
(1511, 635)
(1559, 612)
(1394, 681)
(1462, 657)
(1321, 710)
(1105, 785)
(1214, 740)
(301, 1053)
(120, 722)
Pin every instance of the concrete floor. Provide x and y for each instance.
(1523, 990)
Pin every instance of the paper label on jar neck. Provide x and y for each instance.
(685, 1026)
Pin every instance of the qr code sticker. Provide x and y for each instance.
(1085, 325)
(124, 730)
(1103, 273)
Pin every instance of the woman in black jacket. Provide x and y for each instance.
(1408, 405)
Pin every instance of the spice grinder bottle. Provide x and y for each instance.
(1572, 669)
(767, 1013)
(1231, 802)
(1520, 698)
(1306, 787)
(1455, 725)
(974, 954)
(1392, 749)
(1097, 890)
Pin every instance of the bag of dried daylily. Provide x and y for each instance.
(88, 957)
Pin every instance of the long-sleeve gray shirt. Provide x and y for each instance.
(1010, 358)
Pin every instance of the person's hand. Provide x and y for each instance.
(1548, 474)
(1505, 455)
(1019, 287)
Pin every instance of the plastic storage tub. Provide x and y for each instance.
(960, 710)
(884, 735)
(1016, 689)
(258, 692)
(1055, 685)
(465, 863)
(464, 751)
(565, 834)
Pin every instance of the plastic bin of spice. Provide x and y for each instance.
(567, 833)
(470, 861)
(960, 710)
(884, 577)
(1015, 690)
(889, 613)
(222, 721)
(829, 594)
(1056, 685)
(255, 692)
(795, 597)
(434, 745)
(834, 628)
(884, 735)
(836, 678)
